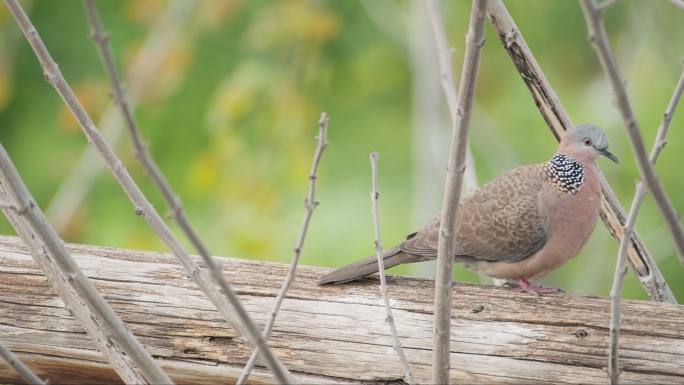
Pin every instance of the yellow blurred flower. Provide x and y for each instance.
(203, 173)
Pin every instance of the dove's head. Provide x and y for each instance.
(585, 143)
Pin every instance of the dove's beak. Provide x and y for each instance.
(608, 155)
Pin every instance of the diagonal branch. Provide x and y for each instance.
(408, 375)
(68, 197)
(612, 213)
(310, 204)
(452, 193)
(227, 303)
(384, 15)
(110, 349)
(444, 56)
(620, 268)
(34, 223)
(24, 371)
(141, 151)
(597, 35)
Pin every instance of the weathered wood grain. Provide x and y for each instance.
(333, 334)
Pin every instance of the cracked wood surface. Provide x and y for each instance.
(332, 334)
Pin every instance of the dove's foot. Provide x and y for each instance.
(531, 288)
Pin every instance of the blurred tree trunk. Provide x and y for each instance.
(430, 125)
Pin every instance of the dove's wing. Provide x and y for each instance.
(501, 221)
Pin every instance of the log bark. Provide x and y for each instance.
(330, 334)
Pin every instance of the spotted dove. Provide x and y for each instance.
(520, 225)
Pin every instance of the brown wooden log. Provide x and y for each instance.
(332, 334)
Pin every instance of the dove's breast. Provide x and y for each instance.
(570, 218)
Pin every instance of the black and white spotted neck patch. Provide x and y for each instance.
(565, 173)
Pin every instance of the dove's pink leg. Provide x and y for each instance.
(529, 287)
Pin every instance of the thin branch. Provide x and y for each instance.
(661, 135)
(428, 122)
(620, 268)
(141, 151)
(444, 56)
(612, 213)
(114, 328)
(452, 193)
(228, 303)
(24, 371)
(408, 375)
(597, 35)
(310, 204)
(68, 197)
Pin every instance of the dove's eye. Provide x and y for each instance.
(587, 142)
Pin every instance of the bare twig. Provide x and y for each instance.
(661, 135)
(24, 371)
(612, 213)
(597, 35)
(408, 376)
(141, 151)
(228, 303)
(452, 193)
(114, 328)
(310, 204)
(428, 122)
(620, 268)
(444, 54)
(142, 72)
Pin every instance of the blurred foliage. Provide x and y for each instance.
(232, 116)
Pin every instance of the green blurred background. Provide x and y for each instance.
(230, 114)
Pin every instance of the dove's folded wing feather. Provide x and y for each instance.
(501, 221)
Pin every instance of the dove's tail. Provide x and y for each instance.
(368, 266)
